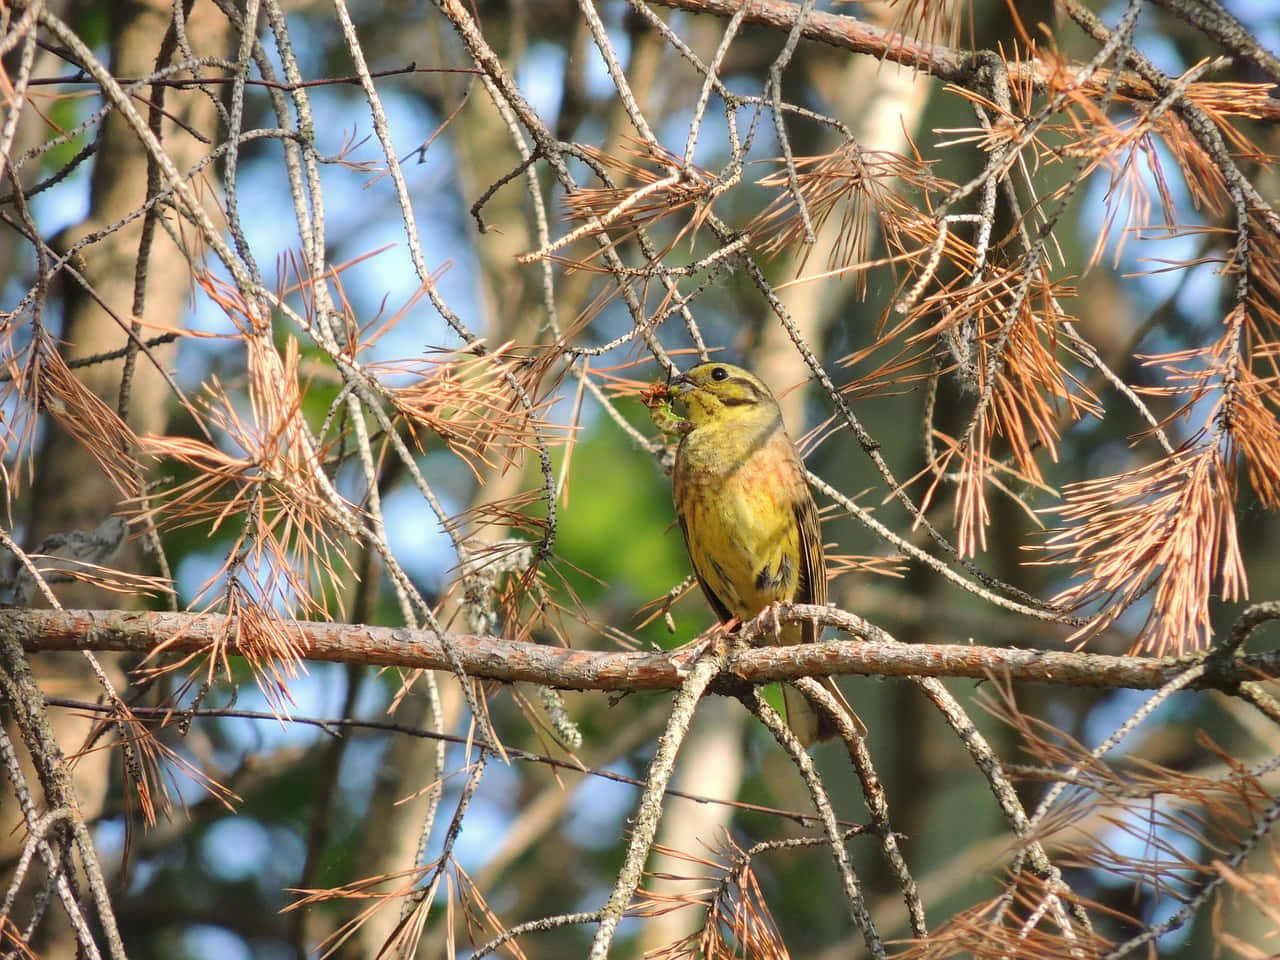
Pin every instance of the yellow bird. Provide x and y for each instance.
(747, 513)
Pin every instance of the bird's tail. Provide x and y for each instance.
(811, 725)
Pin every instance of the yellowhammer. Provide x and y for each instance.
(746, 510)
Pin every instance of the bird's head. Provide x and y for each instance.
(720, 392)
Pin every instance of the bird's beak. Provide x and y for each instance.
(680, 383)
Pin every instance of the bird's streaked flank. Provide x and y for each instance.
(746, 510)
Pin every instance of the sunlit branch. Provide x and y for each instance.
(511, 661)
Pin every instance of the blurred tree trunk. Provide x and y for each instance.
(512, 310)
(69, 490)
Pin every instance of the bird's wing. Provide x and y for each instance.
(812, 585)
(722, 612)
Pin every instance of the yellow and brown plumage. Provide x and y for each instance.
(747, 513)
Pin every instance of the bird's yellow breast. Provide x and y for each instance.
(735, 497)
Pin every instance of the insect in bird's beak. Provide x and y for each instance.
(681, 383)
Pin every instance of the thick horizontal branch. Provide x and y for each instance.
(847, 33)
(506, 660)
(954, 65)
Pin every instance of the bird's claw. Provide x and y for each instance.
(774, 614)
(718, 638)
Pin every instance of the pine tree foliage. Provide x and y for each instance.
(1037, 327)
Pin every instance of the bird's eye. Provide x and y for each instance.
(719, 373)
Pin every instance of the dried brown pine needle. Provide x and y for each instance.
(1031, 919)
(737, 920)
(893, 376)
(666, 186)
(488, 409)
(661, 606)
(838, 564)
(45, 384)
(152, 767)
(1219, 803)
(524, 594)
(542, 603)
(1259, 887)
(1007, 342)
(271, 645)
(271, 481)
(13, 942)
(1249, 415)
(866, 187)
(933, 21)
(55, 568)
(1164, 533)
(510, 514)
(1126, 817)
(388, 891)
(264, 481)
(478, 917)
(1071, 120)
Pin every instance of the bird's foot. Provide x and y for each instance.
(773, 613)
(718, 638)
